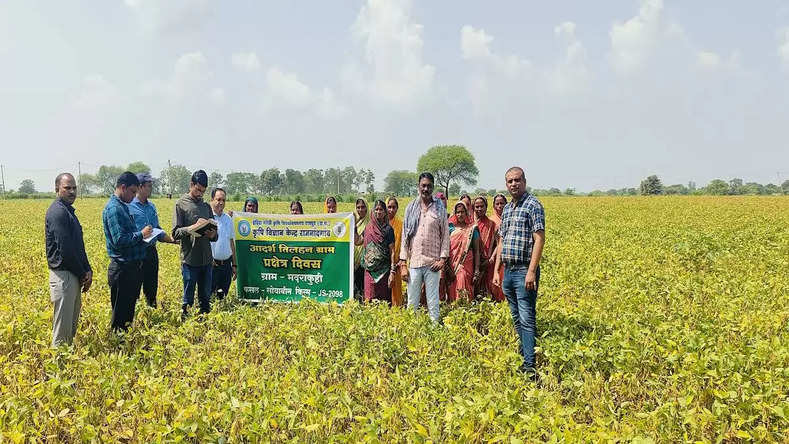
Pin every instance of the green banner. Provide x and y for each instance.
(284, 257)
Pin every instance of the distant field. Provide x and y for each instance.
(662, 319)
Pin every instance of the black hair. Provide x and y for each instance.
(427, 175)
(199, 177)
(455, 208)
(501, 196)
(464, 196)
(378, 203)
(298, 204)
(362, 201)
(482, 198)
(61, 176)
(392, 198)
(215, 189)
(332, 199)
(127, 178)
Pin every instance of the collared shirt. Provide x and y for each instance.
(519, 221)
(431, 241)
(145, 214)
(195, 251)
(225, 234)
(123, 239)
(65, 245)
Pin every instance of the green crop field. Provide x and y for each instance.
(660, 319)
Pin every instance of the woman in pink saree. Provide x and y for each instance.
(464, 253)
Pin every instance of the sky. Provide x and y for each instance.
(590, 95)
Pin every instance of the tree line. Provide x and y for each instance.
(453, 167)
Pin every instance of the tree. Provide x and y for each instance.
(314, 181)
(270, 182)
(400, 183)
(216, 180)
(651, 186)
(454, 190)
(717, 187)
(86, 184)
(176, 179)
(240, 183)
(772, 188)
(676, 189)
(350, 180)
(27, 186)
(754, 188)
(369, 180)
(785, 186)
(449, 164)
(106, 178)
(570, 191)
(736, 187)
(138, 167)
(294, 181)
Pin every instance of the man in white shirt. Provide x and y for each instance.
(223, 249)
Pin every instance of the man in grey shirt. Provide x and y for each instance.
(196, 257)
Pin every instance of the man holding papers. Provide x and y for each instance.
(195, 228)
(144, 213)
(126, 250)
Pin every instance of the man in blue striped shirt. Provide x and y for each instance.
(144, 213)
(126, 249)
(522, 234)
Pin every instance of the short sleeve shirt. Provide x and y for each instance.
(220, 249)
(519, 221)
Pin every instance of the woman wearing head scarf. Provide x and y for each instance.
(488, 241)
(397, 226)
(498, 206)
(378, 248)
(330, 205)
(296, 208)
(251, 205)
(464, 254)
(495, 290)
(362, 217)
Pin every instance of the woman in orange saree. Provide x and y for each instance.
(464, 254)
(397, 225)
(488, 233)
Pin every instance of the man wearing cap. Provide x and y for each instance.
(144, 213)
(196, 257)
(126, 249)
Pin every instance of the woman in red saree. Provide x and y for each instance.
(488, 234)
(464, 249)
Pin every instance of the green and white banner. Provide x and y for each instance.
(283, 257)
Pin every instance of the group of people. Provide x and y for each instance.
(441, 256)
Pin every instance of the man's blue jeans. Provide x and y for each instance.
(522, 304)
(199, 277)
(431, 279)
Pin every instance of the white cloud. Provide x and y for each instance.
(95, 92)
(783, 47)
(708, 59)
(571, 73)
(474, 43)
(246, 61)
(284, 89)
(632, 42)
(392, 70)
(287, 88)
(191, 77)
(217, 96)
(171, 15)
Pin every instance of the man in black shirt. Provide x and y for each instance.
(69, 270)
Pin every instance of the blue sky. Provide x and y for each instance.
(593, 95)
